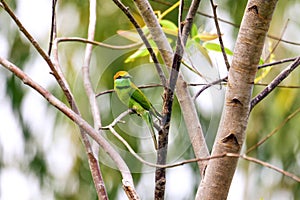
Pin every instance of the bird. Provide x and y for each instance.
(131, 96)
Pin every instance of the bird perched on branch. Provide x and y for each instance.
(134, 98)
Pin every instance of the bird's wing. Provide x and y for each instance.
(138, 96)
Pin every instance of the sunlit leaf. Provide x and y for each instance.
(216, 47)
(141, 52)
(194, 31)
(168, 24)
(170, 31)
(206, 36)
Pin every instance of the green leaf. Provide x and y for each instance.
(216, 47)
(194, 31)
(168, 27)
(168, 24)
(141, 52)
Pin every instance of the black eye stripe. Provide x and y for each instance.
(119, 77)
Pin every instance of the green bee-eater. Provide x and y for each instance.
(134, 98)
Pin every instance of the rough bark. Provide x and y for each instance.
(231, 133)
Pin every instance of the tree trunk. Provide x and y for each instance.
(230, 137)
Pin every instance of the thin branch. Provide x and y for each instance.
(188, 107)
(168, 97)
(265, 164)
(101, 44)
(53, 26)
(277, 62)
(206, 86)
(283, 40)
(105, 92)
(275, 83)
(280, 86)
(71, 115)
(209, 85)
(27, 34)
(245, 157)
(214, 7)
(144, 38)
(113, 154)
(93, 161)
(284, 122)
(256, 84)
(55, 71)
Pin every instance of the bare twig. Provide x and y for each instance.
(284, 122)
(280, 86)
(114, 155)
(209, 85)
(283, 40)
(168, 97)
(101, 44)
(275, 83)
(53, 26)
(55, 71)
(105, 92)
(214, 7)
(277, 62)
(144, 38)
(28, 35)
(188, 107)
(117, 120)
(203, 159)
(93, 161)
(265, 164)
(206, 86)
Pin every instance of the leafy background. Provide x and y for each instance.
(41, 155)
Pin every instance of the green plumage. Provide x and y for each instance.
(134, 98)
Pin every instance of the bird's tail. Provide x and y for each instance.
(148, 118)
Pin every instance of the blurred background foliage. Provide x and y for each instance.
(44, 147)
